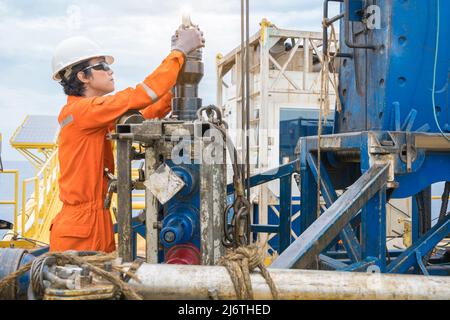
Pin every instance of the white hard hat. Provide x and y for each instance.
(74, 50)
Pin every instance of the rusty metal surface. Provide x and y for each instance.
(212, 205)
(94, 292)
(151, 208)
(124, 187)
(431, 142)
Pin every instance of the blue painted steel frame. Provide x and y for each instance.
(311, 243)
(371, 247)
(373, 229)
(413, 255)
(283, 229)
(373, 215)
(329, 194)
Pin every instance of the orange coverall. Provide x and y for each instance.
(83, 224)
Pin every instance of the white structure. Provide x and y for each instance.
(285, 79)
(284, 76)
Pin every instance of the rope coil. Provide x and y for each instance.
(37, 275)
(93, 263)
(239, 263)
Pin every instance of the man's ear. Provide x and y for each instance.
(82, 77)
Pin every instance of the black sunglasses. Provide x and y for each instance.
(99, 66)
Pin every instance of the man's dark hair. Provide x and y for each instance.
(73, 86)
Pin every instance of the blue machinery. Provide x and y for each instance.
(182, 229)
(386, 143)
(393, 83)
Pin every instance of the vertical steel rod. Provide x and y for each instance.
(247, 110)
(219, 200)
(243, 92)
(124, 198)
(213, 198)
(374, 229)
(151, 209)
(285, 213)
(247, 96)
(206, 210)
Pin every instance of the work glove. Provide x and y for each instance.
(188, 40)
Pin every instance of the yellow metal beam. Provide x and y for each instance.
(33, 145)
(35, 161)
(436, 197)
(138, 205)
(21, 244)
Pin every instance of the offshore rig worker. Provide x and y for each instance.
(82, 68)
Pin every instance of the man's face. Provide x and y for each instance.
(100, 81)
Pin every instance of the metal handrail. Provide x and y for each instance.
(47, 178)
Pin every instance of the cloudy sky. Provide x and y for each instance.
(137, 32)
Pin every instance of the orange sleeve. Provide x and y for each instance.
(100, 112)
(159, 109)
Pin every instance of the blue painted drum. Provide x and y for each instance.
(399, 72)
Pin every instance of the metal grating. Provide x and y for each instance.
(38, 129)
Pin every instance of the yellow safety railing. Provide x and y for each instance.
(15, 201)
(138, 205)
(40, 205)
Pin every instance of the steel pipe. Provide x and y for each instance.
(151, 207)
(186, 102)
(328, 23)
(213, 282)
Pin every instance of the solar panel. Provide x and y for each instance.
(38, 129)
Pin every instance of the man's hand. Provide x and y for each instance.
(188, 40)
